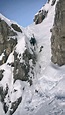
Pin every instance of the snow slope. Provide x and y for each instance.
(47, 94)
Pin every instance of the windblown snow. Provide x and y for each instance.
(46, 96)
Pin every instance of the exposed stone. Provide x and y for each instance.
(21, 70)
(41, 48)
(1, 90)
(58, 35)
(53, 2)
(48, 1)
(16, 28)
(11, 64)
(1, 74)
(5, 107)
(2, 97)
(15, 105)
(7, 42)
(5, 30)
(40, 16)
(3, 93)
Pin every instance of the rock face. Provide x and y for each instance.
(58, 35)
(15, 105)
(53, 2)
(40, 16)
(16, 28)
(7, 42)
(21, 69)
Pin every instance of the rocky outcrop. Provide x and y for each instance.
(53, 2)
(15, 105)
(48, 1)
(8, 39)
(21, 69)
(16, 28)
(40, 16)
(1, 74)
(3, 94)
(58, 35)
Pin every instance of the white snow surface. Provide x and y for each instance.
(1, 56)
(47, 94)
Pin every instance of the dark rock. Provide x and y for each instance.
(48, 1)
(15, 90)
(36, 90)
(1, 90)
(30, 81)
(58, 35)
(5, 107)
(16, 28)
(5, 30)
(7, 42)
(0, 19)
(1, 74)
(11, 64)
(53, 2)
(15, 105)
(3, 93)
(41, 48)
(40, 16)
(21, 70)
